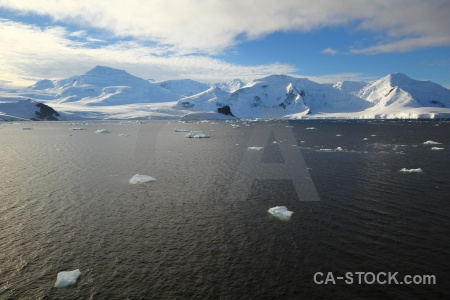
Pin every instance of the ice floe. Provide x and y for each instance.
(67, 278)
(431, 143)
(139, 179)
(197, 134)
(405, 170)
(255, 148)
(436, 148)
(310, 128)
(280, 212)
(181, 130)
(103, 130)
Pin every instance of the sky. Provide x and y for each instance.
(216, 41)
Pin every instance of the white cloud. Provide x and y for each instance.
(329, 51)
(210, 26)
(57, 56)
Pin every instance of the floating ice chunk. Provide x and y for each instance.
(77, 128)
(326, 150)
(431, 143)
(280, 212)
(405, 170)
(66, 278)
(338, 134)
(339, 149)
(138, 179)
(311, 128)
(436, 148)
(365, 139)
(27, 128)
(197, 134)
(123, 134)
(103, 130)
(274, 142)
(255, 148)
(181, 130)
(373, 135)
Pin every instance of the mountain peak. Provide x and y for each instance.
(105, 71)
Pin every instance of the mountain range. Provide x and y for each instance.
(107, 93)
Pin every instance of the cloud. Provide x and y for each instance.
(211, 26)
(329, 51)
(58, 56)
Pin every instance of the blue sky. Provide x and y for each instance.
(214, 40)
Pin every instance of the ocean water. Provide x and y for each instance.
(202, 230)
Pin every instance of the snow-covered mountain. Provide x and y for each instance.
(400, 90)
(230, 86)
(103, 86)
(109, 93)
(27, 110)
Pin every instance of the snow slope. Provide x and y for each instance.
(184, 87)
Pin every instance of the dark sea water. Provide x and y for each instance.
(202, 232)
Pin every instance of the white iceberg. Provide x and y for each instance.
(281, 212)
(67, 278)
(405, 170)
(431, 143)
(310, 128)
(436, 148)
(197, 134)
(103, 130)
(181, 130)
(139, 179)
(255, 148)
(339, 149)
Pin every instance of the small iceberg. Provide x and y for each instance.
(67, 278)
(431, 143)
(197, 134)
(339, 149)
(139, 179)
(310, 128)
(281, 212)
(181, 130)
(436, 148)
(103, 130)
(405, 170)
(255, 148)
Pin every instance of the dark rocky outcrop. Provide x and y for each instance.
(45, 113)
(225, 110)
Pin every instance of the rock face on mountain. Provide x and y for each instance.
(225, 110)
(46, 113)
